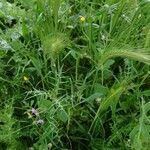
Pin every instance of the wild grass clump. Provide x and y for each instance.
(74, 74)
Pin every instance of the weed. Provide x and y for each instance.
(74, 74)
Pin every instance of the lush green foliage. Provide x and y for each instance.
(74, 74)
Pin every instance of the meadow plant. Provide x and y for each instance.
(74, 74)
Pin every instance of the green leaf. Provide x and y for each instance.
(45, 105)
(94, 96)
(62, 115)
(146, 93)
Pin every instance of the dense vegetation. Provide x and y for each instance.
(74, 74)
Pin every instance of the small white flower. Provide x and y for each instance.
(50, 145)
(40, 121)
(98, 100)
(103, 37)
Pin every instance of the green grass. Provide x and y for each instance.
(74, 74)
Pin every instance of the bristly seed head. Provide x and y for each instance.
(54, 45)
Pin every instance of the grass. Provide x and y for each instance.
(74, 74)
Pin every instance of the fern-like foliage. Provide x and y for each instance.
(8, 130)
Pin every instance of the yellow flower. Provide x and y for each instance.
(25, 78)
(82, 19)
